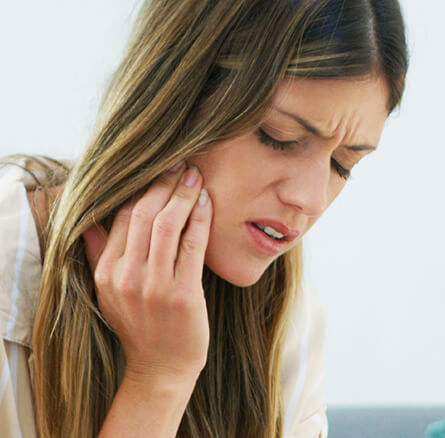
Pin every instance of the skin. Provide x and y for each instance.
(148, 269)
(296, 185)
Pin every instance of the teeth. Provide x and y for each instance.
(271, 232)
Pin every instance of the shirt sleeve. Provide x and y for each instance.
(20, 271)
(16, 404)
(302, 370)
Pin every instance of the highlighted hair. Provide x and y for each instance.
(195, 72)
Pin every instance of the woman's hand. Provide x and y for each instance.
(148, 277)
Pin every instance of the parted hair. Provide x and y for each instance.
(195, 72)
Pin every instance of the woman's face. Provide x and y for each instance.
(330, 126)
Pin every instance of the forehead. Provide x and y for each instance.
(334, 103)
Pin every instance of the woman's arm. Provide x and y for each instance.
(161, 325)
(148, 275)
(155, 407)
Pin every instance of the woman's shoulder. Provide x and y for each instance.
(33, 173)
(20, 260)
(302, 366)
(306, 334)
(16, 212)
(308, 315)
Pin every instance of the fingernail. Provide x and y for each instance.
(191, 176)
(203, 197)
(177, 166)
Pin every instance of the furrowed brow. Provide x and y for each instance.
(313, 130)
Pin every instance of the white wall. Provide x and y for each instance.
(376, 258)
(56, 57)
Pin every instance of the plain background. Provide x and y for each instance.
(376, 258)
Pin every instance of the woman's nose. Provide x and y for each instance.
(307, 184)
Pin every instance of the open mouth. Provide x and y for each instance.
(268, 232)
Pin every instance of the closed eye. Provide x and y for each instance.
(342, 171)
(269, 141)
(286, 145)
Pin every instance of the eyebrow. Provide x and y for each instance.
(317, 132)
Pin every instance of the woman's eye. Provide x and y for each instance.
(343, 172)
(284, 145)
(269, 141)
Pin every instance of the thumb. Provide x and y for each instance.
(95, 239)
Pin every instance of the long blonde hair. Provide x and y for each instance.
(195, 72)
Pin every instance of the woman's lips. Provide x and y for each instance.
(289, 234)
(264, 243)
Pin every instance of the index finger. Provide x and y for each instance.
(147, 207)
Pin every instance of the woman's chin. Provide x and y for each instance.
(236, 275)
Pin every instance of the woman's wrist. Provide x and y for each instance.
(160, 379)
(148, 405)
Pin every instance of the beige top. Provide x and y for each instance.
(20, 273)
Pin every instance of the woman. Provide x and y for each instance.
(161, 315)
